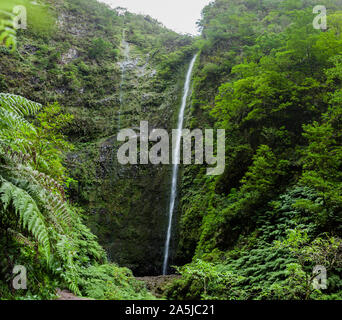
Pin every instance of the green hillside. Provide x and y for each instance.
(78, 219)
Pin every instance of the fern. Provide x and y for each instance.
(19, 105)
(8, 35)
(29, 214)
(38, 199)
(10, 120)
(66, 250)
(51, 192)
(20, 238)
(36, 184)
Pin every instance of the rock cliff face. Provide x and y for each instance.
(111, 70)
(127, 203)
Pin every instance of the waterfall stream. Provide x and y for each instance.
(176, 161)
(124, 65)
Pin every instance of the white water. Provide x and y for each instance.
(176, 160)
(123, 65)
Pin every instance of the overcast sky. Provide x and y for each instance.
(178, 15)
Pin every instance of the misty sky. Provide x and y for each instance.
(178, 15)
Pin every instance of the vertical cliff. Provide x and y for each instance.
(111, 69)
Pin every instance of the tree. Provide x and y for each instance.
(322, 158)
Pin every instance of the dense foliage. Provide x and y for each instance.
(273, 81)
(39, 228)
(79, 61)
(264, 74)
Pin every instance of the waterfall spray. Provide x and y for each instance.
(175, 167)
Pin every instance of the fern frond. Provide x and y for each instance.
(45, 180)
(52, 206)
(45, 191)
(66, 250)
(20, 238)
(19, 105)
(11, 120)
(55, 201)
(13, 156)
(29, 215)
(15, 150)
(8, 35)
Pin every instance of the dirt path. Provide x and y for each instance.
(67, 295)
(157, 284)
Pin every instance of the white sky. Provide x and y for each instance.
(178, 15)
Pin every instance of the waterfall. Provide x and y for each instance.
(176, 161)
(124, 64)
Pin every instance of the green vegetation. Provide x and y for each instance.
(264, 74)
(40, 229)
(274, 83)
(80, 66)
(37, 19)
